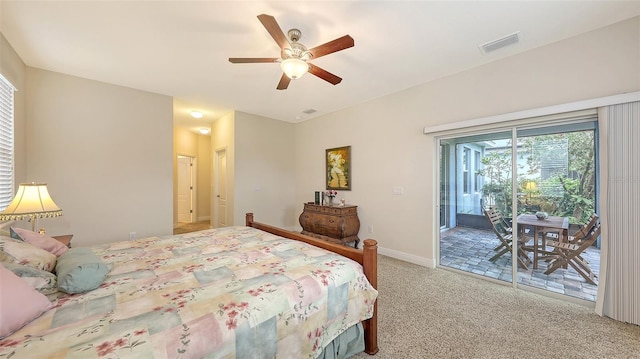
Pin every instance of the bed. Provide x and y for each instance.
(253, 291)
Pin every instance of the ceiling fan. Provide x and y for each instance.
(294, 57)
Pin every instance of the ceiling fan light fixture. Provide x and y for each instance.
(294, 68)
(294, 57)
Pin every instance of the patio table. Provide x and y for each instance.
(560, 224)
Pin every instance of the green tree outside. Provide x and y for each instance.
(569, 191)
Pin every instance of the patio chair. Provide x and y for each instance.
(579, 234)
(569, 253)
(497, 221)
(504, 232)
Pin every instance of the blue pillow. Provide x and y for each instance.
(13, 234)
(79, 270)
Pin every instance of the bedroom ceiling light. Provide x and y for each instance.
(294, 67)
(32, 201)
(204, 131)
(196, 114)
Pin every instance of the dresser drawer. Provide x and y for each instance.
(335, 223)
(335, 211)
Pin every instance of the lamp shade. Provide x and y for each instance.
(294, 68)
(530, 186)
(32, 201)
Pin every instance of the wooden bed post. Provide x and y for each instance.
(249, 219)
(370, 267)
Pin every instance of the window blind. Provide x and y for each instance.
(6, 142)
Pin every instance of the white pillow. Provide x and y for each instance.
(15, 251)
(42, 281)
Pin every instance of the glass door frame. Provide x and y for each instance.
(442, 141)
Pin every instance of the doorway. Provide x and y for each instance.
(186, 201)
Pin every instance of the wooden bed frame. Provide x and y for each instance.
(368, 258)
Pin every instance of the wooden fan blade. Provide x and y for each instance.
(251, 60)
(269, 22)
(330, 47)
(284, 82)
(324, 74)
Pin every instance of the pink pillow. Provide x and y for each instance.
(41, 241)
(20, 303)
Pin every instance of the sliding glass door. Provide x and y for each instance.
(467, 240)
(491, 181)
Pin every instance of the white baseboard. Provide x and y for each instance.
(421, 261)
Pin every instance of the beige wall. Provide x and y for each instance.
(260, 168)
(389, 149)
(14, 70)
(187, 143)
(222, 138)
(203, 178)
(265, 170)
(105, 152)
(76, 139)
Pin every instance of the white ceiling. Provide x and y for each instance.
(181, 48)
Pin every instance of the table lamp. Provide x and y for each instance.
(32, 201)
(530, 187)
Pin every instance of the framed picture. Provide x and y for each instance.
(338, 165)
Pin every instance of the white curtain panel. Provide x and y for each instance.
(619, 285)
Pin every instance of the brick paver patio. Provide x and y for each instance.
(469, 249)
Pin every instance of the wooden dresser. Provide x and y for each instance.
(333, 223)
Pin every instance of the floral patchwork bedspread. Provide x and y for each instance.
(233, 292)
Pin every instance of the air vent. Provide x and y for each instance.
(494, 45)
(310, 111)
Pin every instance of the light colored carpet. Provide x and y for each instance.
(434, 313)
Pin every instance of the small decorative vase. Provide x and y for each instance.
(330, 201)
